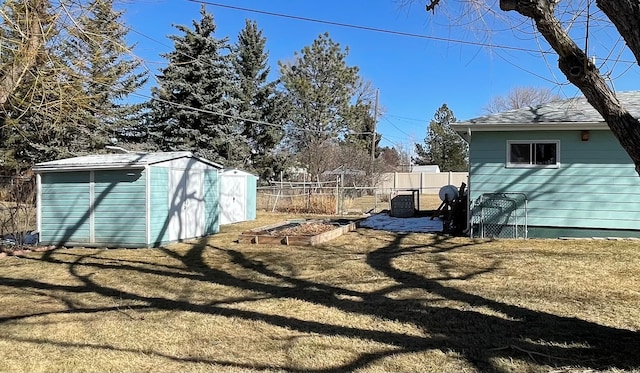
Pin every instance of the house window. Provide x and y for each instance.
(533, 154)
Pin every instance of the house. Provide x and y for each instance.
(429, 168)
(555, 170)
(238, 194)
(126, 200)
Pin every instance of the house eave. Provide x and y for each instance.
(468, 127)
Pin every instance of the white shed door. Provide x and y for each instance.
(233, 189)
(186, 204)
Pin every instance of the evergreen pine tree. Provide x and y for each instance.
(362, 120)
(38, 116)
(193, 106)
(320, 87)
(259, 102)
(443, 146)
(98, 52)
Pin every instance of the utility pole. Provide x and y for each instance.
(373, 134)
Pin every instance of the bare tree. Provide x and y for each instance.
(520, 97)
(57, 75)
(553, 19)
(26, 39)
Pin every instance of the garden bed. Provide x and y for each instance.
(306, 232)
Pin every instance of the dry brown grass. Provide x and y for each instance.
(298, 203)
(366, 301)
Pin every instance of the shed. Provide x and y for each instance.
(238, 194)
(127, 200)
(557, 167)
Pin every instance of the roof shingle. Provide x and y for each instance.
(573, 110)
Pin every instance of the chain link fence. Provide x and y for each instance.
(499, 215)
(332, 198)
(321, 198)
(17, 212)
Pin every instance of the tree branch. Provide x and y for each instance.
(581, 72)
(27, 53)
(625, 15)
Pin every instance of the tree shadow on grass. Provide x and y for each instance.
(540, 336)
(509, 332)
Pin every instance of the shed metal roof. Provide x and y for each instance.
(235, 171)
(123, 160)
(561, 114)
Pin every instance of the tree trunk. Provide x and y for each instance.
(581, 72)
(27, 52)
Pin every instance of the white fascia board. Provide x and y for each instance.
(542, 126)
(42, 169)
(39, 203)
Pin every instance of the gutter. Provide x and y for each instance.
(42, 169)
(467, 127)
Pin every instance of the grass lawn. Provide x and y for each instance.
(366, 301)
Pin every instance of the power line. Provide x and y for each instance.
(367, 28)
(222, 114)
(405, 118)
(380, 30)
(394, 126)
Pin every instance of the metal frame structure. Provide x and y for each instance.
(499, 215)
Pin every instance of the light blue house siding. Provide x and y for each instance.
(595, 191)
(127, 200)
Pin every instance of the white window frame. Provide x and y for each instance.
(531, 144)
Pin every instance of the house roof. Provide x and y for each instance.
(235, 171)
(426, 168)
(342, 170)
(573, 113)
(110, 161)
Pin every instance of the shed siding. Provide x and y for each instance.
(119, 212)
(596, 185)
(211, 197)
(65, 207)
(159, 206)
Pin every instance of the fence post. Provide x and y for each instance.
(338, 195)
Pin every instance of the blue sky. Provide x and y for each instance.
(415, 75)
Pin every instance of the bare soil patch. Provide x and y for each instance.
(298, 232)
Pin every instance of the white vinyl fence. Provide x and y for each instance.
(424, 182)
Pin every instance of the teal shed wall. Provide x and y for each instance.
(595, 189)
(64, 211)
(120, 208)
(109, 212)
(212, 201)
(252, 195)
(159, 205)
(238, 196)
(160, 209)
